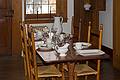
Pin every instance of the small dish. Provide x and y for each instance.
(81, 45)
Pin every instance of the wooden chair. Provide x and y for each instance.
(24, 50)
(38, 72)
(73, 27)
(85, 69)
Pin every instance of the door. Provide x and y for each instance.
(116, 34)
(5, 27)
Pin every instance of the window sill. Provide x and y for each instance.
(42, 20)
(34, 21)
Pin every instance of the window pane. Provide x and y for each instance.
(52, 1)
(37, 1)
(29, 1)
(52, 8)
(29, 9)
(42, 6)
(37, 8)
(45, 2)
(44, 9)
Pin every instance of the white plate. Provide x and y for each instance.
(90, 52)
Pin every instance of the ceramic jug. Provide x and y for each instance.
(57, 25)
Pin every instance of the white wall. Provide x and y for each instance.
(106, 18)
(66, 26)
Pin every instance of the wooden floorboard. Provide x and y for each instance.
(11, 68)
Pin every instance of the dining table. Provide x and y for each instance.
(71, 58)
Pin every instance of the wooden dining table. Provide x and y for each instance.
(72, 57)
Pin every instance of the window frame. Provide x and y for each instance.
(47, 18)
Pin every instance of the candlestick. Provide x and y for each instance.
(50, 13)
(37, 12)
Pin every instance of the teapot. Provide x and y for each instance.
(57, 25)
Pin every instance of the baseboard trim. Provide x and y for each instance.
(107, 50)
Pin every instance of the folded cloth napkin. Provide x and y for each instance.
(90, 52)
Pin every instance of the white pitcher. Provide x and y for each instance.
(57, 25)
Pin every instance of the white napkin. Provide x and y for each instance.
(90, 52)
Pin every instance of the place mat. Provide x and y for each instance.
(48, 56)
(90, 52)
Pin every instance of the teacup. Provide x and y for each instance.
(78, 46)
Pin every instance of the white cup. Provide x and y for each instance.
(78, 45)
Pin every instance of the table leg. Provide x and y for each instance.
(71, 67)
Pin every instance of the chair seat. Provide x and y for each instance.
(84, 69)
(48, 71)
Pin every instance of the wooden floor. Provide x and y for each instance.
(11, 68)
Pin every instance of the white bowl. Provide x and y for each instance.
(81, 45)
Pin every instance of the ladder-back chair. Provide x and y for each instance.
(85, 69)
(25, 50)
(38, 72)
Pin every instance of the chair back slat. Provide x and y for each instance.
(89, 31)
(80, 25)
(72, 25)
(100, 35)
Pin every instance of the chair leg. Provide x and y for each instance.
(63, 76)
(86, 77)
(53, 78)
(75, 76)
(98, 70)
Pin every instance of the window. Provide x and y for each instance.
(42, 11)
